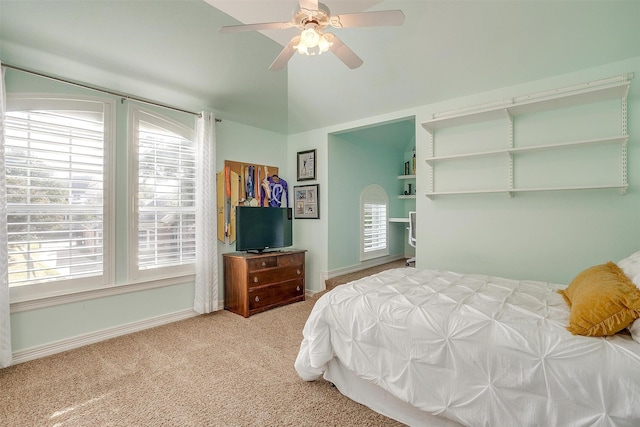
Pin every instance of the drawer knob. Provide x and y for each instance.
(255, 280)
(298, 271)
(257, 298)
(264, 264)
(298, 288)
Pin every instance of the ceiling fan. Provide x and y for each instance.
(312, 17)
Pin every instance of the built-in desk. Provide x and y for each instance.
(399, 220)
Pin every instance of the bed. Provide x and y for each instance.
(439, 348)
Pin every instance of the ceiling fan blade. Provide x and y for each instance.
(285, 55)
(309, 5)
(255, 27)
(343, 52)
(368, 19)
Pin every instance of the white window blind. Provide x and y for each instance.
(374, 204)
(375, 227)
(165, 195)
(55, 196)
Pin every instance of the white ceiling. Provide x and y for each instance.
(171, 51)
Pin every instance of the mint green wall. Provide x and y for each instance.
(311, 234)
(46, 326)
(548, 236)
(241, 143)
(354, 164)
(545, 236)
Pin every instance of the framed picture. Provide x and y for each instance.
(306, 165)
(306, 202)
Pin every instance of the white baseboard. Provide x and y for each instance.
(308, 293)
(97, 336)
(362, 266)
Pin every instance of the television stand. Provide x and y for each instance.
(255, 282)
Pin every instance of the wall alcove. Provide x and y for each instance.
(374, 154)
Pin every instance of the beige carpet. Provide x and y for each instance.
(332, 283)
(212, 370)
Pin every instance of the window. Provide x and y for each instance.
(373, 222)
(57, 205)
(64, 228)
(163, 189)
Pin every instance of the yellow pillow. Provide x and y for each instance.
(603, 301)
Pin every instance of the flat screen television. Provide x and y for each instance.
(260, 229)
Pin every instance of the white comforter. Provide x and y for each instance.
(475, 349)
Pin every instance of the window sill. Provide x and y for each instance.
(54, 300)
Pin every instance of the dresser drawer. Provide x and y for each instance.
(280, 293)
(274, 275)
(291, 259)
(263, 262)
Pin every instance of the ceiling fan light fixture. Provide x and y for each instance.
(302, 49)
(324, 44)
(313, 42)
(310, 37)
(312, 17)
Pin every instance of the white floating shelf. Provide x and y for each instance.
(398, 219)
(621, 187)
(622, 139)
(613, 88)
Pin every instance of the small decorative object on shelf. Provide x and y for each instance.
(406, 168)
(408, 193)
(413, 167)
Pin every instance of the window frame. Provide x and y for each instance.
(56, 288)
(373, 194)
(136, 274)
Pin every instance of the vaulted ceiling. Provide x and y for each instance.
(171, 51)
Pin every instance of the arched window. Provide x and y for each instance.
(374, 237)
(57, 152)
(163, 229)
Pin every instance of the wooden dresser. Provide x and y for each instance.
(258, 282)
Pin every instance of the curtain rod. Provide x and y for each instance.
(120, 95)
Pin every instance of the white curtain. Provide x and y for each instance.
(5, 326)
(206, 297)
